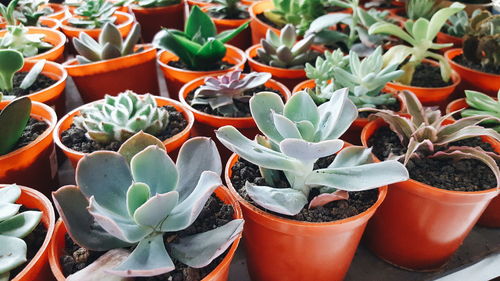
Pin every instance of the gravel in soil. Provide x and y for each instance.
(74, 138)
(214, 214)
(243, 107)
(428, 76)
(463, 175)
(221, 65)
(357, 203)
(42, 82)
(477, 66)
(31, 132)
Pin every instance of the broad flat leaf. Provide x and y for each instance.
(97, 270)
(262, 105)
(301, 107)
(8, 210)
(21, 224)
(286, 128)
(138, 143)
(336, 116)
(352, 156)
(110, 34)
(391, 29)
(325, 198)
(440, 17)
(481, 101)
(154, 167)
(12, 253)
(138, 193)
(32, 75)
(198, 21)
(309, 151)
(86, 51)
(201, 249)
(286, 201)
(181, 46)
(227, 35)
(13, 120)
(7, 70)
(9, 194)
(156, 209)
(327, 21)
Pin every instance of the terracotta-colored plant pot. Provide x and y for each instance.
(487, 83)
(136, 72)
(192, 3)
(419, 226)
(38, 267)
(206, 124)
(176, 77)
(53, 37)
(289, 77)
(124, 22)
(153, 20)
(172, 143)
(443, 38)
(220, 273)
(35, 164)
(53, 95)
(430, 96)
(242, 40)
(284, 249)
(60, 11)
(258, 27)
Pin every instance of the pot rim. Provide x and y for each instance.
(128, 20)
(62, 10)
(252, 60)
(253, 15)
(450, 54)
(135, 7)
(58, 82)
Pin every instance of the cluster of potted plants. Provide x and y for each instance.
(302, 126)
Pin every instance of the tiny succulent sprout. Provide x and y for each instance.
(14, 226)
(482, 40)
(220, 93)
(481, 104)
(11, 61)
(133, 197)
(198, 46)
(93, 14)
(297, 135)
(110, 44)
(118, 118)
(416, 9)
(420, 35)
(30, 11)
(324, 67)
(284, 51)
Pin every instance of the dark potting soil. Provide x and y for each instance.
(241, 15)
(396, 107)
(214, 214)
(357, 203)
(463, 175)
(244, 108)
(221, 65)
(428, 76)
(460, 59)
(31, 132)
(75, 138)
(265, 20)
(42, 82)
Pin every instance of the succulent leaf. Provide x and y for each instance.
(12, 253)
(154, 211)
(285, 201)
(13, 120)
(153, 167)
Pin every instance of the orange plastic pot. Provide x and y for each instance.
(192, 3)
(176, 77)
(53, 95)
(172, 144)
(284, 249)
(153, 20)
(38, 267)
(258, 27)
(443, 38)
(487, 83)
(249, 2)
(206, 124)
(289, 77)
(136, 72)
(35, 164)
(53, 37)
(242, 40)
(60, 11)
(456, 105)
(220, 273)
(123, 21)
(430, 96)
(418, 226)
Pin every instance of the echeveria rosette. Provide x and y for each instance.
(29, 45)
(481, 104)
(13, 227)
(93, 14)
(120, 203)
(298, 134)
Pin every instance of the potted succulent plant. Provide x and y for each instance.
(197, 51)
(59, 11)
(478, 61)
(453, 30)
(283, 56)
(142, 215)
(106, 124)
(365, 79)
(29, 13)
(224, 100)
(433, 82)
(470, 5)
(452, 181)
(27, 220)
(296, 184)
(112, 65)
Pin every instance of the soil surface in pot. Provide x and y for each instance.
(214, 214)
(463, 175)
(460, 59)
(221, 65)
(428, 76)
(75, 138)
(42, 82)
(31, 132)
(241, 15)
(357, 203)
(243, 107)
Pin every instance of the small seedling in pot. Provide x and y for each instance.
(30, 11)
(110, 44)
(221, 93)
(416, 9)
(93, 14)
(296, 136)
(483, 105)
(11, 61)
(138, 197)
(299, 13)
(14, 226)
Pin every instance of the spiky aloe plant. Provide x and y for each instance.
(93, 14)
(481, 104)
(284, 51)
(118, 118)
(221, 92)
(14, 226)
(298, 134)
(109, 46)
(135, 196)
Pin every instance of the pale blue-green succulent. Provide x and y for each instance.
(297, 135)
(13, 227)
(132, 197)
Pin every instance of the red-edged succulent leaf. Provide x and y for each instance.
(326, 198)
